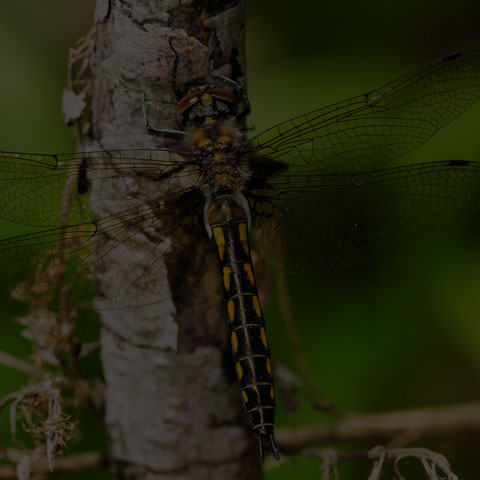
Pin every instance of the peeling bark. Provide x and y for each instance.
(172, 407)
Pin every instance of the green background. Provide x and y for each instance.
(399, 332)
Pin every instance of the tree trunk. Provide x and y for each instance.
(172, 407)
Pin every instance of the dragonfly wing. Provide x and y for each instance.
(33, 187)
(367, 131)
(327, 222)
(135, 265)
(148, 235)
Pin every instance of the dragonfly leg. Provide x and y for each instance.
(239, 90)
(156, 130)
(178, 93)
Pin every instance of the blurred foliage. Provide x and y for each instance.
(399, 332)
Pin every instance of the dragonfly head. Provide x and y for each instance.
(205, 103)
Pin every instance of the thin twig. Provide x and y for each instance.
(81, 462)
(20, 365)
(11, 397)
(430, 460)
(423, 421)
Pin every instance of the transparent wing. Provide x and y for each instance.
(138, 243)
(32, 186)
(327, 222)
(365, 132)
(143, 206)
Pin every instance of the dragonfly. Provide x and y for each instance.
(309, 194)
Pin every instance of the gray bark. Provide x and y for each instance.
(172, 407)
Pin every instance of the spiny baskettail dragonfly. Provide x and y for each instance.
(314, 186)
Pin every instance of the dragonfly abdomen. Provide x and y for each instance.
(228, 220)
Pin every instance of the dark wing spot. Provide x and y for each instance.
(83, 185)
(459, 163)
(452, 56)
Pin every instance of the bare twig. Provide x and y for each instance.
(20, 365)
(431, 461)
(82, 462)
(384, 425)
(44, 400)
(330, 458)
(77, 95)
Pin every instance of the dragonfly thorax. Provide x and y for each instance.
(210, 116)
(220, 167)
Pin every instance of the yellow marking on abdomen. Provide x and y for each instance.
(227, 271)
(231, 310)
(272, 392)
(248, 270)
(242, 231)
(268, 365)
(219, 241)
(239, 369)
(256, 305)
(263, 336)
(234, 342)
(244, 396)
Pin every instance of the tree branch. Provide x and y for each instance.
(171, 404)
(81, 462)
